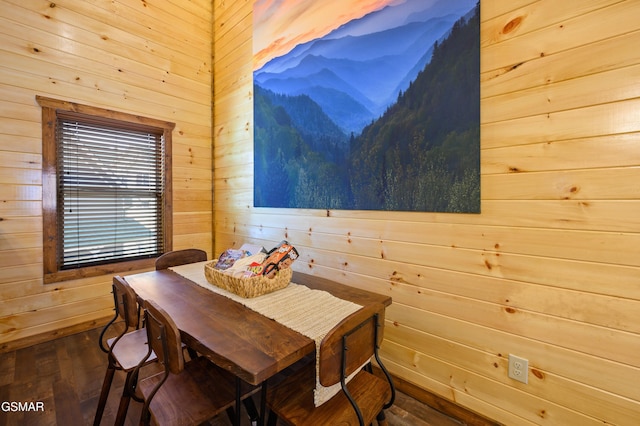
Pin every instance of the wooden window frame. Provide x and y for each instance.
(50, 108)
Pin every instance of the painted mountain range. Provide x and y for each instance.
(355, 72)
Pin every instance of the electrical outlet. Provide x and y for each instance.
(519, 369)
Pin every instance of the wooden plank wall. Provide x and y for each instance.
(151, 58)
(548, 271)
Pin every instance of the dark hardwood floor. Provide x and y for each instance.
(66, 374)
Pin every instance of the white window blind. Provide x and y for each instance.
(110, 193)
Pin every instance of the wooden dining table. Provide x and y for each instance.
(234, 337)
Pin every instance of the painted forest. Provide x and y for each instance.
(421, 154)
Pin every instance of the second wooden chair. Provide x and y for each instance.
(185, 393)
(180, 257)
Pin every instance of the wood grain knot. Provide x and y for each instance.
(512, 25)
(539, 374)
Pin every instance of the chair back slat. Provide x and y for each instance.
(164, 337)
(125, 300)
(180, 257)
(358, 331)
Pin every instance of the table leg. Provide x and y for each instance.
(263, 403)
(236, 421)
(252, 411)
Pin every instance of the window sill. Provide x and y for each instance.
(95, 271)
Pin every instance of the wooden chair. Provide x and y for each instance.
(180, 257)
(125, 351)
(185, 393)
(343, 351)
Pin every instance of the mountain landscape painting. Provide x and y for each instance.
(367, 104)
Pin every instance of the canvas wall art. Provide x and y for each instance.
(367, 104)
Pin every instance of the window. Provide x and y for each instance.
(106, 190)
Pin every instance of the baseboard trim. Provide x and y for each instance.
(451, 409)
(51, 335)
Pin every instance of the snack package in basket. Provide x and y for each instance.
(252, 249)
(280, 257)
(228, 258)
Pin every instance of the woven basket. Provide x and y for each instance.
(247, 287)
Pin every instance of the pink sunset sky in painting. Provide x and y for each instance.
(280, 25)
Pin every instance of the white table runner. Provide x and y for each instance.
(312, 313)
